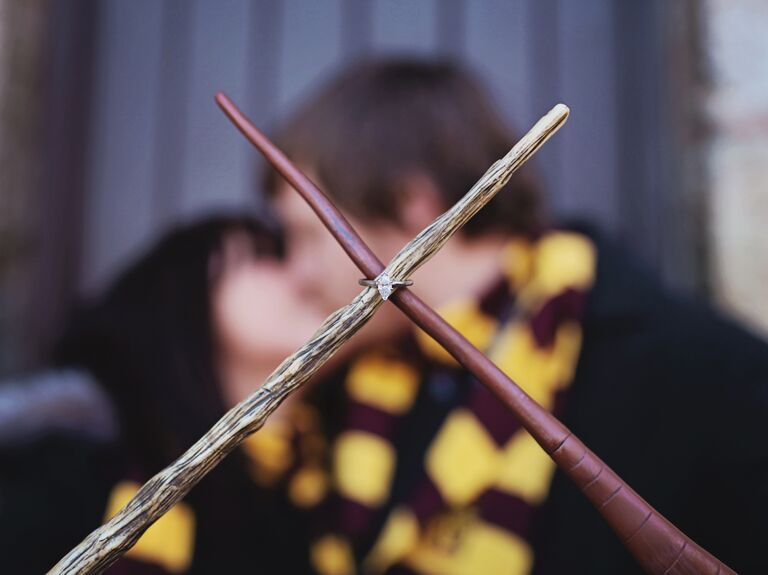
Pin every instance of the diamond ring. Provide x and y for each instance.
(385, 284)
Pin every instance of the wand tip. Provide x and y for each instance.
(221, 98)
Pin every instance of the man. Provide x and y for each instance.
(428, 472)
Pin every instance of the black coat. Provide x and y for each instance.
(674, 398)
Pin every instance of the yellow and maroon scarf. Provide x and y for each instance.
(482, 476)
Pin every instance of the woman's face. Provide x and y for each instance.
(258, 317)
(264, 309)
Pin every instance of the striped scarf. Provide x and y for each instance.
(482, 476)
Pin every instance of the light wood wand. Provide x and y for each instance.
(105, 545)
(657, 545)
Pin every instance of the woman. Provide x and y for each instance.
(183, 334)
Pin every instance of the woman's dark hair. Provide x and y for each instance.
(380, 121)
(148, 340)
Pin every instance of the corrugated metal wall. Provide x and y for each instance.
(160, 151)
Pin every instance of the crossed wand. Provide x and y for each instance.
(658, 546)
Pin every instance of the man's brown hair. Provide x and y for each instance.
(381, 121)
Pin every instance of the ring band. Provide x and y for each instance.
(385, 284)
(395, 283)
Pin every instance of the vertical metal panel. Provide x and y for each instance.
(404, 26)
(450, 25)
(263, 67)
(216, 173)
(497, 45)
(310, 46)
(172, 111)
(639, 130)
(118, 211)
(262, 73)
(356, 29)
(542, 17)
(587, 82)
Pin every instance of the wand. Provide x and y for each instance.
(105, 545)
(657, 545)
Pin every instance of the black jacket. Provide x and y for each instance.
(675, 399)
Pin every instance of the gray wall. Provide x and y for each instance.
(159, 151)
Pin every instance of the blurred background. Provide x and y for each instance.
(109, 133)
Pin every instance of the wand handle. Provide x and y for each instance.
(657, 545)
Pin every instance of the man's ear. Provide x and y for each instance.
(419, 202)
